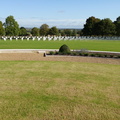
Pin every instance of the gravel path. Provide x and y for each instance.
(39, 57)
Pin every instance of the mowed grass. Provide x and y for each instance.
(101, 45)
(44, 90)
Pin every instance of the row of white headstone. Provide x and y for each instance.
(56, 38)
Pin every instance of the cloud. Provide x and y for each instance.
(60, 23)
(61, 11)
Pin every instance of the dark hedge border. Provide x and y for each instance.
(89, 54)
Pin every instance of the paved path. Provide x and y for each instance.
(42, 51)
(25, 50)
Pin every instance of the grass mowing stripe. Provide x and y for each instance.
(100, 45)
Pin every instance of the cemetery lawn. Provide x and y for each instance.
(48, 90)
(100, 45)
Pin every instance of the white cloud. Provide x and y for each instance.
(61, 11)
(60, 23)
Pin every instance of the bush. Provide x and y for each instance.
(64, 49)
(56, 53)
(74, 53)
(118, 56)
(92, 55)
(105, 55)
(100, 55)
(51, 53)
(111, 56)
(80, 54)
(86, 54)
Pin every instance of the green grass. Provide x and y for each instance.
(101, 45)
(76, 91)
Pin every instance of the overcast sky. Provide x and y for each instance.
(59, 13)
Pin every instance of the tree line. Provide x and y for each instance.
(92, 27)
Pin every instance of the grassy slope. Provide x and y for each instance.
(77, 91)
(90, 45)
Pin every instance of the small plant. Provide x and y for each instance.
(80, 54)
(74, 53)
(56, 53)
(100, 55)
(92, 55)
(51, 53)
(105, 55)
(111, 56)
(64, 49)
(118, 56)
(85, 54)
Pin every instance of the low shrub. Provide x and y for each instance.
(100, 55)
(51, 53)
(92, 55)
(118, 56)
(111, 56)
(80, 54)
(74, 53)
(64, 49)
(56, 53)
(105, 55)
(85, 54)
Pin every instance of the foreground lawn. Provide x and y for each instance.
(59, 91)
(101, 45)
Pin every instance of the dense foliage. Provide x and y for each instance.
(11, 26)
(35, 31)
(44, 29)
(92, 27)
(97, 27)
(64, 49)
(23, 31)
(2, 31)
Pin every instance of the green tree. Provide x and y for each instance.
(106, 27)
(118, 19)
(35, 31)
(23, 31)
(11, 26)
(67, 32)
(74, 33)
(117, 24)
(53, 31)
(44, 29)
(89, 27)
(2, 31)
(61, 32)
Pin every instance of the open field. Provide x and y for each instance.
(100, 45)
(54, 90)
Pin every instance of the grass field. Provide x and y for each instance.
(77, 91)
(100, 45)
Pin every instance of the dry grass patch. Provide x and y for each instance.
(59, 91)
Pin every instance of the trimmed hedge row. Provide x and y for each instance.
(85, 54)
